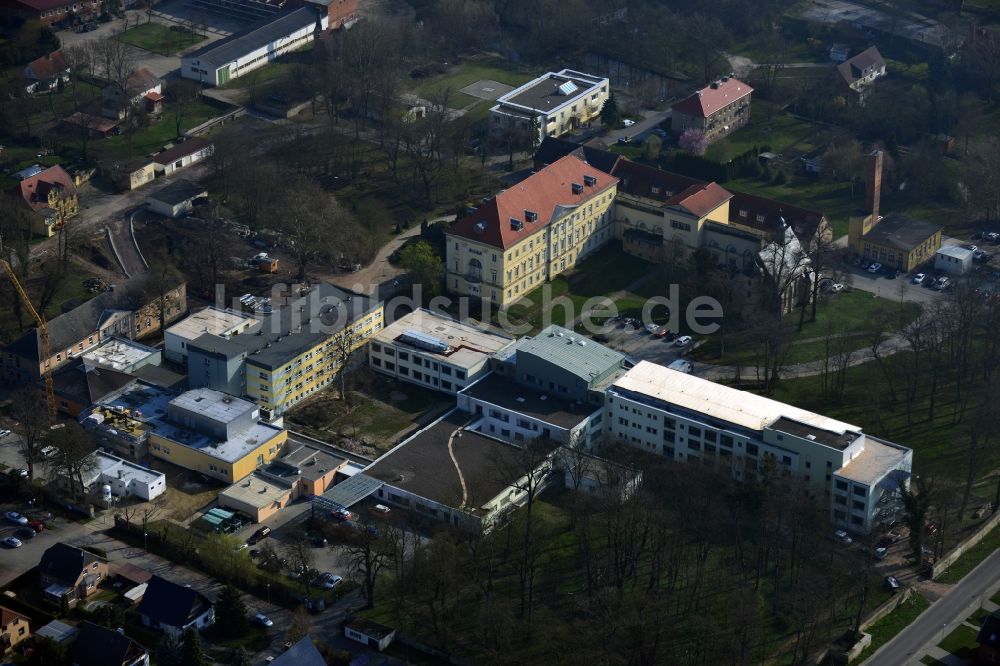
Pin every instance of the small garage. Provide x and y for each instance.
(176, 199)
(953, 260)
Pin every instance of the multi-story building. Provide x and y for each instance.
(14, 628)
(859, 72)
(212, 320)
(551, 105)
(51, 196)
(688, 419)
(129, 312)
(717, 110)
(202, 430)
(435, 351)
(296, 351)
(531, 232)
(51, 12)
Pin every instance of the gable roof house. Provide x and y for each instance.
(183, 154)
(45, 72)
(51, 195)
(130, 313)
(141, 85)
(172, 608)
(858, 73)
(717, 110)
(14, 628)
(69, 572)
(99, 646)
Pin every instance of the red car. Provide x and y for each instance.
(36, 525)
(342, 515)
(661, 333)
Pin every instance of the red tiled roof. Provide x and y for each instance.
(542, 192)
(90, 121)
(7, 616)
(35, 190)
(154, 96)
(649, 182)
(47, 66)
(708, 100)
(702, 199)
(804, 222)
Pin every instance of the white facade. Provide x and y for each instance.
(556, 109)
(126, 479)
(461, 358)
(688, 419)
(953, 259)
(183, 161)
(218, 63)
(213, 320)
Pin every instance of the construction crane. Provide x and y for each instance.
(43, 332)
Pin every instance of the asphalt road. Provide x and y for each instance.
(943, 616)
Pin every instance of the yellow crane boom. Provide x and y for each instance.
(43, 332)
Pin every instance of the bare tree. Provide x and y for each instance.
(181, 93)
(73, 461)
(367, 554)
(28, 411)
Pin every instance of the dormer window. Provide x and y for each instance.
(760, 217)
(577, 188)
(743, 214)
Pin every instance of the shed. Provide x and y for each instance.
(953, 259)
(175, 200)
(370, 633)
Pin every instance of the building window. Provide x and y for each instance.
(841, 485)
(752, 449)
(860, 491)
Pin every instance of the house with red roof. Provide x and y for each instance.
(51, 12)
(717, 110)
(46, 72)
(51, 195)
(530, 233)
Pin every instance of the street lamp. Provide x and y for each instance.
(145, 541)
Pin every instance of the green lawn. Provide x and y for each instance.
(847, 312)
(961, 642)
(886, 629)
(606, 271)
(971, 558)
(779, 133)
(465, 74)
(151, 139)
(160, 39)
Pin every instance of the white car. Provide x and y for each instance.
(972, 247)
(683, 341)
(4, 432)
(652, 328)
(263, 620)
(16, 518)
(381, 509)
(836, 288)
(919, 278)
(12, 542)
(48, 451)
(843, 537)
(875, 268)
(628, 123)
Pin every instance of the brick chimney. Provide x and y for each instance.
(874, 186)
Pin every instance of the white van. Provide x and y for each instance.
(680, 365)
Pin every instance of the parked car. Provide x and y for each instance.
(628, 123)
(19, 473)
(49, 451)
(651, 327)
(891, 584)
(880, 552)
(4, 432)
(875, 268)
(979, 255)
(319, 541)
(36, 525)
(259, 535)
(381, 510)
(683, 341)
(24, 533)
(342, 515)
(660, 333)
(263, 620)
(624, 140)
(836, 288)
(682, 365)
(328, 581)
(974, 248)
(843, 537)
(12, 542)
(942, 283)
(16, 518)
(919, 278)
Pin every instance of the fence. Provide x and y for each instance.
(942, 565)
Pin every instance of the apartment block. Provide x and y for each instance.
(688, 419)
(717, 110)
(531, 232)
(434, 351)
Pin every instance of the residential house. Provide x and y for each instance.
(184, 154)
(71, 573)
(203, 430)
(172, 608)
(297, 351)
(176, 199)
(51, 195)
(434, 351)
(46, 72)
(93, 126)
(99, 646)
(140, 85)
(858, 73)
(717, 110)
(690, 420)
(894, 240)
(14, 628)
(370, 633)
(531, 232)
(303, 653)
(988, 639)
(243, 52)
(954, 260)
(554, 104)
(51, 12)
(130, 312)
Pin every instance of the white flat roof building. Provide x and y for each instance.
(953, 259)
(121, 354)
(127, 479)
(212, 320)
(435, 351)
(689, 419)
(559, 102)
